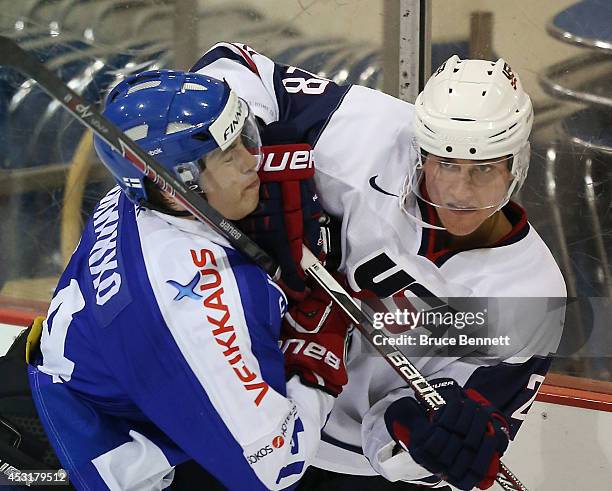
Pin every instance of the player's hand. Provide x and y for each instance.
(462, 442)
(288, 214)
(314, 338)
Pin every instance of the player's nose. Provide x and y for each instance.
(462, 185)
(247, 161)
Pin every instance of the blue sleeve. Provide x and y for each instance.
(511, 388)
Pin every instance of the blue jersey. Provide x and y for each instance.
(362, 146)
(160, 346)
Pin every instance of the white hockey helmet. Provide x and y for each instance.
(473, 110)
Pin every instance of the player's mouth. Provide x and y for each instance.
(460, 210)
(254, 184)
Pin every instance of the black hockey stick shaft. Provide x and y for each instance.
(398, 361)
(12, 55)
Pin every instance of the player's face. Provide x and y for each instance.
(230, 181)
(466, 192)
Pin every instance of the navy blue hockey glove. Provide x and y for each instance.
(462, 442)
(288, 214)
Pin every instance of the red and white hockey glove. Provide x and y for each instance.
(288, 214)
(462, 442)
(314, 339)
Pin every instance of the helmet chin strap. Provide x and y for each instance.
(420, 222)
(405, 193)
(175, 213)
(165, 210)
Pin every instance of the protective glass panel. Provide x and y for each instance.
(562, 52)
(50, 178)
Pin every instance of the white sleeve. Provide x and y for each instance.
(378, 446)
(280, 458)
(255, 85)
(368, 132)
(229, 355)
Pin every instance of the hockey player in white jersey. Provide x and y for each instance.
(161, 342)
(424, 197)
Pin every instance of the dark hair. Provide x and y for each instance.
(155, 199)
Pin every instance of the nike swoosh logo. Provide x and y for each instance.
(377, 188)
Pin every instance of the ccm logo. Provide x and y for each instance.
(293, 160)
(312, 350)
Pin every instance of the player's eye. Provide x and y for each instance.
(230, 153)
(484, 168)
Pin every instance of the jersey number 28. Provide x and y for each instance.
(309, 86)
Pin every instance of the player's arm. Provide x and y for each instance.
(498, 382)
(494, 400)
(295, 106)
(206, 368)
(297, 103)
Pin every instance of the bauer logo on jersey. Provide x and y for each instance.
(230, 122)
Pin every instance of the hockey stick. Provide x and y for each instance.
(12, 55)
(398, 361)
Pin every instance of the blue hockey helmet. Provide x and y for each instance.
(177, 118)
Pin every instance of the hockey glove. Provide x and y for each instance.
(314, 337)
(288, 214)
(462, 442)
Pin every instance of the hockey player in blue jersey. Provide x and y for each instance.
(424, 195)
(161, 341)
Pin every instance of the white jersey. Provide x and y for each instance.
(362, 147)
